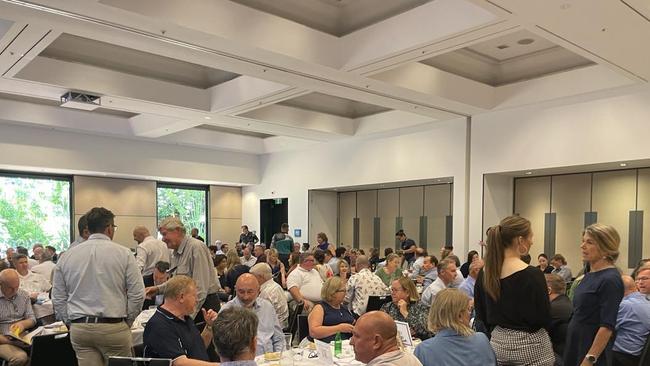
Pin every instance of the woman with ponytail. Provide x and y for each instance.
(511, 297)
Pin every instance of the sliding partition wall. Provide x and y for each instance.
(370, 218)
(560, 206)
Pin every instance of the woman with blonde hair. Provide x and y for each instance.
(344, 270)
(330, 316)
(234, 269)
(391, 270)
(406, 307)
(277, 267)
(455, 342)
(596, 299)
(511, 297)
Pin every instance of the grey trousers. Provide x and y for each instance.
(95, 343)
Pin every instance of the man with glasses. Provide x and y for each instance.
(98, 290)
(16, 315)
(269, 331)
(633, 320)
(304, 282)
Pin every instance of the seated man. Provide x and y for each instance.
(238, 345)
(468, 283)
(171, 333)
(269, 332)
(428, 271)
(362, 285)
(420, 253)
(446, 276)
(160, 276)
(561, 268)
(248, 259)
(46, 265)
(258, 252)
(561, 311)
(374, 340)
(271, 291)
(633, 320)
(16, 315)
(304, 283)
(36, 286)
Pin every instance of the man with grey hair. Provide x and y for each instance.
(304, 282)
(362, 285)
(269, 333)
(446, 276)
(16, 315)
(190, 257)
(237, 346)
(271, 291)
(633, 319)
(148, 252)
(46, 265)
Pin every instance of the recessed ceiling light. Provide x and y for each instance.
(502, 46)
(528, 173)
(623, 164)
(206, 117)
(525, 41)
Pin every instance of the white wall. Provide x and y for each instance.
(530, 138)
(44, 149)
(433, 153)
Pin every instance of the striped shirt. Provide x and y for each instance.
(14, 309)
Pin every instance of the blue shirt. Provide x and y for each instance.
(632, 324)
(450, 348)
(166, 336)
(269, 332)
(468, 286)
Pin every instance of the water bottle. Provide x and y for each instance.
(338, 345)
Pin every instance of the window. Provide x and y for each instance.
(34, 209)
(189, 203)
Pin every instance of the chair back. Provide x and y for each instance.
(303, 327)
(293, 318)
(376, 302)
(138, 361)
(44, 347)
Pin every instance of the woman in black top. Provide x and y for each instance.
(595, 300)
(511, 297)
(471, 257)
(543, 266)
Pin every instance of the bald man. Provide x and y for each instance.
(632, 322)
(374, 340)
(269, 331)
(149, 252)
(16, 315)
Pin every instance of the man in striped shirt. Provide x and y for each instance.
(16, 315)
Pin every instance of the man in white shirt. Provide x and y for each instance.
(149, 252)
(248, 259)
(35, 285)
(46, 266)
(271, 291)
(420, 253)
(363, 285)
(304, 282)
(446, 276)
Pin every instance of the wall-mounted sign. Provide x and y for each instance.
(297, 233)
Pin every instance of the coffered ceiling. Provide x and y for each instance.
(264, 76)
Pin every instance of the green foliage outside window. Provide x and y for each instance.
(34, 210)
(187, 204)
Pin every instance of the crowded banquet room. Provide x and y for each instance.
(324, 182)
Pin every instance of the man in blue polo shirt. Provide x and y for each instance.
(171, 333)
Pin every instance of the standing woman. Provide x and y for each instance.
(323, 244)
(595, 300)
(511, 297)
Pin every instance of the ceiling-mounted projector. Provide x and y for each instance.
(83, 101)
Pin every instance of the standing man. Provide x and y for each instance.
(99, 308)
(149, 252)
(191, 258)
(408, 247)
(247, 237)
(84, 233)
(195, 234)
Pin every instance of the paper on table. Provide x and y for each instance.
(324, 353)
(404, 333)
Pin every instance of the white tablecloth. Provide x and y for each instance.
(309, 357)
(137, 329)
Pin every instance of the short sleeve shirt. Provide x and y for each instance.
(166, 336)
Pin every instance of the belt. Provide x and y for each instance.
(95, 320)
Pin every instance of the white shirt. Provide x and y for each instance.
(45, 269)
(150, 252)
(32, 262)
(360, 287)
(309, 283)
(250, 262)
(432, 290)
(34, 282)
(273, 292)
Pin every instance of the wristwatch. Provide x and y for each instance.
(591, 359)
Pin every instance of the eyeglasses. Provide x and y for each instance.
(396, 289)
(639, 279)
